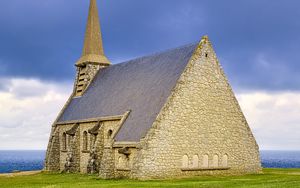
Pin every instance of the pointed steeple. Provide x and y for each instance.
(93, 48)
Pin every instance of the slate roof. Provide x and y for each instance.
(141, 85)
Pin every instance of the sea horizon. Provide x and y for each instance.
(27, 160)
(46, 150)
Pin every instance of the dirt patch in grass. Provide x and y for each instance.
(22, 173)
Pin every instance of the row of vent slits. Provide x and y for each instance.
(81, 82)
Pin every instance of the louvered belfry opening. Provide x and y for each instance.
(93, 57)
(82, 79)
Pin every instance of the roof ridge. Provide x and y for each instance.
(155, 53)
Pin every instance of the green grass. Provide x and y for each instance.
(281, 178)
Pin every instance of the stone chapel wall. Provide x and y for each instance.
(90, 140)
(82, 146)
(201, 121)
(107, 163)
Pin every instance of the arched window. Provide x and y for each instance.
(120, 162)
(126, 162)
(185, 161)
(195, 161)
(109, 134)
(215, 161)
(69, 138)
(92, 140)
(225, 160)
(123, 162)
(205, 161)
(64, 141)
(85, 141)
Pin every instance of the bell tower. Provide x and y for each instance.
(92, 58)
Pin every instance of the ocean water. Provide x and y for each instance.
(34, 160)
(280, 159)
(21, 160)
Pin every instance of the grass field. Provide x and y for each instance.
(281, 178)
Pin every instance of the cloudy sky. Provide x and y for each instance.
(257, 42)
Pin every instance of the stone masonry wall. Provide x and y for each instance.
(89, 72)
(107, 163)
(73, 145)
(53, 152)
(124, 164)
(85, 154)
(81, 157)
(201, 119)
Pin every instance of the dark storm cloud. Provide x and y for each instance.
(257, 41)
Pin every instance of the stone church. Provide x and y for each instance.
(169, 114)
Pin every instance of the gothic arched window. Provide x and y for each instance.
(225, 160)
(195, 161)
(185, 161)
(64, 141)
(205, 161)
(69, 140)
(120, 162)
(215, 161)
(109, 134)
(85, 141)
